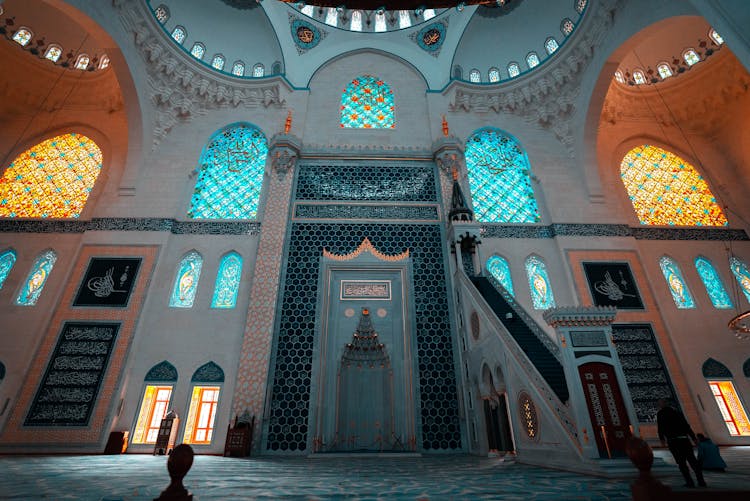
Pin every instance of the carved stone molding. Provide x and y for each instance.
(181, 89)
(580, 316)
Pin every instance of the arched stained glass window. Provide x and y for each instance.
(742, 274)
(639, 77)
(198, 50)
(532, 60)
(231, 175)
(36, 279)
(691, 57)
(567, 26)
(186, 281)
(308, 10)
(541, 290)
(179, 34)
(162, 14)
(619, 77)
(218, 62)
(104, 62)
(677, 286)
(712, 281)
(7, 260)
(227, 281)
(514, 70)
(53, 53)
(238, 69)
(82, 63)
(580, 5)
(356, 24)
(714, 35)
(22, 36)
(52, 179)
(499, 178)
(259, 70)
(664, 70)
(499, 268)
(380, 24)
(475, 76)
(428, 14)
(551, 45)
(493, 75)
(332, 16)
(367, 103)
(666, 190)
(404, 19)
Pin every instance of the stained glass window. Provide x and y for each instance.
(666, 190)
(619, 77)
(82, 62)
(104, 63)
(580, 5)
(712, 282)
(356, 21)
(718, 40)
(308, 10)
(730, 406)
(428, 14)
(367, 103)
(162, 14)
(494, 75)
(475, 76)
(639, 77)
(499, 268)
(404, 19)
(218, 62)
(179, 34)
(7, 259)
(231, 175)
(742, 274)
(532, 60)
(53, 53)
(259, 70)
(332, 16)
(199, 428)
(567, 26)
(690, 57)
(52, 179)
(227, 281)
(380, 24)
(514, 70)
(198, 50)
(238, 69)
(551, 45)
(32, 287)
(541, 291)
(22, 36)
(154, 407)
(664, 70)
(677, 286)
(186, 281)
(499, 178)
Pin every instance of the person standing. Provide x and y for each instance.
(675, 432)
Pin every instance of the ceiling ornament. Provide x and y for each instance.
(398, 4)
(180, 88)
(431, 37)
(306, 35)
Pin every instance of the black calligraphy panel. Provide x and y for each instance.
(612, 284)
(108, 282)
(68, 391)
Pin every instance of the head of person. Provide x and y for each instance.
(663, 403)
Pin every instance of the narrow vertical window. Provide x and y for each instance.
(218, 62)
(691, 57)
(567, 26)
(619, 77)
(731, 408)
(580, 5)
(53, 53)
(664, 70)
(22, 36)
(37, 278)
(380, 24)
(7, 260)
(201, 415)
(104, 62)
(428, 14)
(718, 40)
(179, 34)
(259, 70)
(498, 267)
(198, 50)
(741, 274)
(308, 10)
(514, 70)
(227, 281)
(332, 16)
(539, 285)
(493, 75)
(677, 286)
(475, 76)
(639, 77)
(404, 19)
(551, 45)
(238, 69)
(186, 281)
(356, 24)
(82, 63)
(532, 60)
(162, 14)
(154, 407)
(714, 286)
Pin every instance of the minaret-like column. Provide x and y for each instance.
(252, 376)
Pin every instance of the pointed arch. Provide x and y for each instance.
(367, 103)
(52, 179)
(186, 281)
(231, 174)
(179, 34)
(539, 284)
(741, 274)
(499, 268)
(500, 178)
(712, 282)
(36, 279)
(209, 372)
(713, 368)
(163, 371)
(7, 260)
(676, 283)
(664, 189)
(227, 281)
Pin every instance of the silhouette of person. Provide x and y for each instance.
(675, 432)
(708, 454)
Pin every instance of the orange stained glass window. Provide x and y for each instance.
(731, 408)
(666, 190)
(52, 179)
(153, 409)
(201, 415)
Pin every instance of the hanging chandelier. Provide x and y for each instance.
(740, 325)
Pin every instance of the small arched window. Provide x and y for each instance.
(238, 69)
(155, 402)
(162, 14)
(380, 24)
(713, 35)
(198, 50)
(458, 72)
(539, 285)
(404, 19)
(276, 68)
(551, 45)
(199, 426)
(691, 57)
(741, 274)
(23, 36)
(7, 260)
(356, 24)
(566, 26)
(332, 16)
(82, 63)
(53, 53)
(619, 77)
(639, 77)
(580, 5)
(186, 281)
(498, 267)
(493, 75)
(532, 60)
(676, 283)
(712, 281)
(179, 34)
(37, 278)
(514, 70)
(428, 14)
(367, 103)
(308, 10)
(218, 62)
(259, 70)
(665, 71)
(104, 62)
(227, 281)
(475, 76)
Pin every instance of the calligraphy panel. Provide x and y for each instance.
(68, 391)
(612, 284)
(108, 282)
(379, 290)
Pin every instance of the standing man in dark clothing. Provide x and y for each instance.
(674, 428)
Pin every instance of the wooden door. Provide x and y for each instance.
(606, 407)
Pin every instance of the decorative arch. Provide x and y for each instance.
(500, 178)
(7, 260)
(539, 284)
(163, 371)
(227, 281)
(231, 174)
(712, 281)
(52, 179)
(713, 368)
(208, 373)
(499, 268)
(719, 379)
(664, 189)
(676, 283)
(367, 103)
(37, 278)
(186, 281)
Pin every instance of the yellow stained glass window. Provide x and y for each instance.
(730, 407)
(51, 180)
(201, 415)
(666, 190)
(153, 409)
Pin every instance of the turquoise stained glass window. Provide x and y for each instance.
(500, 179)
(499, 268)
(541, 290)
(367, 103)
(38, 275)
(7, 260)
(677, 286)
(712, 282)
(742, 274)
(231, 175)
(186, 281)
(227, 281)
